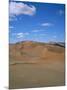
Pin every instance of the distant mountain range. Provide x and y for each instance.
(62, 44)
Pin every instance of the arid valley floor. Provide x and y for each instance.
(34, 64)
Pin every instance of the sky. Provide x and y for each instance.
(41, 22)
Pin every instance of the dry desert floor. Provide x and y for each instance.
(36, 65)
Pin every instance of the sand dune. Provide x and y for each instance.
(34, 64)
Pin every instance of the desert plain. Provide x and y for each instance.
(35, 64)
